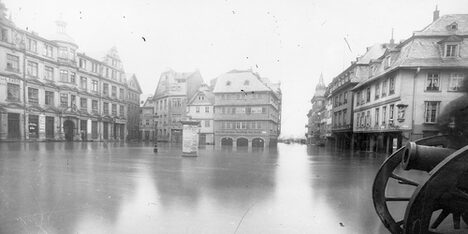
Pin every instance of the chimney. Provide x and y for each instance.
(435, 15)
(392, 42)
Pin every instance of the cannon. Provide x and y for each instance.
(430, 177)
(443, 191)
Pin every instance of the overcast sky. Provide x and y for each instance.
(290, 41)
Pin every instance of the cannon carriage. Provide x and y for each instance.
(433, 173)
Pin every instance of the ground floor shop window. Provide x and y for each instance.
(13, 126)
(33, 126)
(50, 127)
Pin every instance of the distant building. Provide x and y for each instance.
(314, 115)
(247, 110)
(341, 96)
(200, 107)
(148, 123)
(133, 106)
(49, 91)
(170, 100)
(326, 121)
(408, 86)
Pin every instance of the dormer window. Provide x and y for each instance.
(451, 50)
(453, 26)
(246, 82)
(228, 83)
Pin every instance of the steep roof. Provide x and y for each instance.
(439, 26)
(239, 81)
(133, 78)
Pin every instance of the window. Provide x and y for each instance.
(431, 112)
(63, 75)
(48, 73)
(94, 85)
(94, 67)
(33, 95)
(263, 110)
(114, 109)
(207, 109)
(49, 98)
(113, 74)
(368, 119)
(391, 112)
(48, 51)
(207, 123)
(384, 88)
(84, 83)
(451, 50)
(12, 63)
(377, 90)
(63, 52)
(84, 104)
(228, 83)
(238, 125)
(121, 110)
(345, 96)
(73, 100)
(106, 108)
(377, 115)
(32, 45)
(64, 100)
(197, 109)
(240, 110)
(358, 120)
(344, 115)
(114, 91)
(368, 94)
(72, 77)
(4, 36)
(340, 97)
(456, 81)
(246, 82)
(121, 93)
(13, 92)
(32, 69)
(432, 82)
(391, 86)
(82, 63)
(384, 114)
(94, 105)
(105, 89)
(358, 98)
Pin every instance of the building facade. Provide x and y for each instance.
(314, 115)
(200, 108)
(247, 110)
(170, 100)
(342, 99)
(133, 107)
(148, 123)
(49, 91)
(409, 86)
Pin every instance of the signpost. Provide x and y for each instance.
(190, 138)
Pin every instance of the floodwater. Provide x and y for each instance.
(126, 188)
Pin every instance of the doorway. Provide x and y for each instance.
(68, 128)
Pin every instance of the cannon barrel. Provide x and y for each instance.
(424, 158)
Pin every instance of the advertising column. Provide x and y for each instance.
(190, 138)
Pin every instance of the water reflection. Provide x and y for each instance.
(120, 188)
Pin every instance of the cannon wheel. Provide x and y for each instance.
(445, 190)
(385, 173)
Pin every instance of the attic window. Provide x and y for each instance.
(246, 82)
(228, 83)
(453, 26)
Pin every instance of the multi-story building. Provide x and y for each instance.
(148, 123)
(170, 100)
(48, 91)
(410, 85)
(133, 107)
(340, 94)
(200, 107)
(314, 115)
(325, 135)
(247, 110)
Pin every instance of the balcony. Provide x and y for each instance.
(342, 127)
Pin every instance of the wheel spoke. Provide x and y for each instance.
(456, 220)
(403, 180)
(461, 193)
(440, 218)
(399, 223)
(397, 199)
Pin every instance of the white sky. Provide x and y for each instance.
(290, 41)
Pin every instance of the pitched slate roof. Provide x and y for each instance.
(239, 81)
(439, 26)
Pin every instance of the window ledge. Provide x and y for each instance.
(432, 91)
(430, 123)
